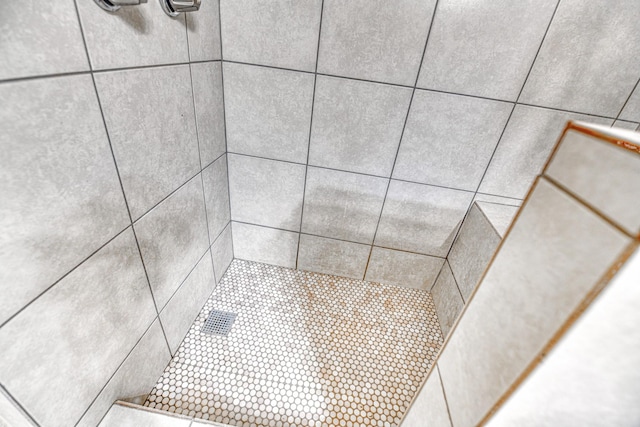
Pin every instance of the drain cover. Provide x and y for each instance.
(219, 323)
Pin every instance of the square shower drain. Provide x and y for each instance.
(219, 323)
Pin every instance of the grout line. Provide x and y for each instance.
(626, 101)
(456, 282)
(313, 102)
(18, 406)
(406, 119)
(444, 394)
(185, 279)
(436, 279)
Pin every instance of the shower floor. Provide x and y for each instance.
(306, 349)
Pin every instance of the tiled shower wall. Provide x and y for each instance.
(360, 132)
(114, 198)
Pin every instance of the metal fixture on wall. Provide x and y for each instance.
(113, 5)
(174, 7)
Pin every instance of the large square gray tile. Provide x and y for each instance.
(73, 338)
(449, 139)
(525, 147)
(267, 245)
(207, 96)
(421, 218)
(172, 237)
(156, 148)
(203, 32)
(281, 33)
(56, 46)
(552, 259)
(374, 39)
(484, 48)
(222, 252)
(266, 192)
(132, 36)
(342, 205)
(447, 298)
(135, 377)
(590, 58)
(357, 125)
(61, 199)
(268, 111)
(185, 304)
(334, 257)
(216, 196)
(403, 268)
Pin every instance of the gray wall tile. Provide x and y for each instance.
(56, 46)
(216, 194)
(266, 192)
(447, 299)
(268, 111)
(342, 205)
(203, 32)
(132, 36)
(124, 416)
(282, 33)
(449, 139)
(207, 95)
(374, 40)
(493, 57)
(403, 268)
(625, 125)
(10, 414)
(430, 405)
(331, 256)
(135, 377)
(91, 319)
(583, 65)
(184, 306)
(222, 252)
(500, 216)
(421, 218)
(268, 245)
(357, 125)
(172, 237)
(631, 110)
(524, 149)
(155, 147)
(53, 213)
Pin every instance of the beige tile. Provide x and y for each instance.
(605, 176)
(591, 376)
(135, 377)
(447, 299)
(331, 256)
(554, 255)
(268, 245)
(430, 407)
(124, 416)
(72, 339)
(403, 268)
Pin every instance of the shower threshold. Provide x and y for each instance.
(306, 349)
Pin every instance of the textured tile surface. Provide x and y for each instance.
(556, 253)
(134, 377)
(53, 213)
(348, 351)
(216, 195)
(207, 96)
(449, 139)
(203, 32)
(268, 111)
(590, 58)
(524, 149)
(56, 46)
(132, 36)
(403, 268)
(447, 299)
(342, 205)
(262, 244)
(172, 237)
(484, 48)
(91, 318)
(357, 125)
(421, 218)
(331, 256)
(266, 192)
(282, 33)
(429, 405)
(156, 148)
(374, 39)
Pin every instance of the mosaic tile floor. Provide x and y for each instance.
(306, 349)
